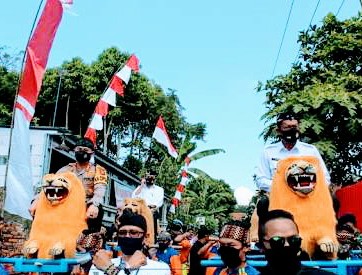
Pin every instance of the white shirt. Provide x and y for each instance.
(152, 195)
(275, 152)
(151, 268)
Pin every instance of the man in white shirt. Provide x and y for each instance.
(152, 194)
(289, 145)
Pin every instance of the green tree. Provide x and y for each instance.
(9, 63)
(169, 169)
(8, 84)
(324, 88)
(207, 197)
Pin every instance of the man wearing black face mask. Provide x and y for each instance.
(93, 178)
(167, 254)
(131, 236)
(279, 236)
(289, 145)
(152, 194)
(233, 246)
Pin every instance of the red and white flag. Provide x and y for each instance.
(19, 185)
(160, 134)
(116, 86)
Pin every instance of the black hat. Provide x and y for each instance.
(286, 116)
(130, 218)
(85, 142)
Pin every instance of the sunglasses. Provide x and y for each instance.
(131, 233)
(278, 242)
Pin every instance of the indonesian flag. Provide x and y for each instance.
(160, 134)
(19, 186)
(116, 86)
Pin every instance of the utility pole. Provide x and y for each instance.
(61, 73)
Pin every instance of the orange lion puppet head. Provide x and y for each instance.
(299, 187)
(301, 177)
(140, 207)
(59, 219)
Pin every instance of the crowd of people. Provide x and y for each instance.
(181, 249)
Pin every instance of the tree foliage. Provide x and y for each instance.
(8, 83)
(207, 197)
(324, 87)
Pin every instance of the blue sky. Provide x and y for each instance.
(212, 52)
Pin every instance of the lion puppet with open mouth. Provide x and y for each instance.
(299, 187)
(59, 219)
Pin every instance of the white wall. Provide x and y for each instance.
(38, 139)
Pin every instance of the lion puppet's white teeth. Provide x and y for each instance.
(54, 198)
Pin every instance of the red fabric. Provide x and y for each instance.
(91, 134)
(27, 115)
(175, 202)
(187, 160)
(38, 51)
(133, 63)
(181, 188)
(101, 108)
(351, 202)
(117, 85)
(184, 174)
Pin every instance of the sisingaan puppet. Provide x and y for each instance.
(299, 187)
(59, 219)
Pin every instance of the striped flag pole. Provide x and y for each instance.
(181, 186)
(116, 86)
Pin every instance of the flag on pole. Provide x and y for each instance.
(160, 134)
(116, 86)
(181, 186)
(18, 182)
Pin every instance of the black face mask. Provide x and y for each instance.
(290, 136)
(283, 260)
(130, 245)
(230, 256)
(82, 157)
(162, 246)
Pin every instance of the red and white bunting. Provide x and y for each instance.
(181, 186)
(19, 185)
(160, 134)
(116, 86)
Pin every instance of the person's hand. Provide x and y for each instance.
(137, 260)
(102, 259)
(92, 211)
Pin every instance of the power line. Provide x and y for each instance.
(310, 23)
(315, 10)
(281, 43)
(340, 6)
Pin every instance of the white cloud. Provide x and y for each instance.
(243, 195)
